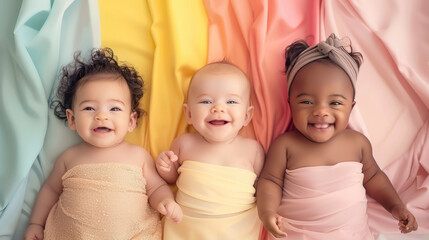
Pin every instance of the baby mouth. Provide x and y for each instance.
(320, 125)
(102, 130)
(218, 122)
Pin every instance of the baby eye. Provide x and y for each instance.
(305, 102)
(231, 102)
(115, 109)
(335, 103)
(206, 102)
(88, 109)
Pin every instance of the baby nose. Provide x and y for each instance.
(218, 108)
(102, 116)
(321, 111)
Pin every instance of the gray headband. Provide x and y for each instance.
(333, 49)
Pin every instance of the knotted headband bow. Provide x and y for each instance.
(333, 49)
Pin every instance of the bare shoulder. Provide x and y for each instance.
(357, 138)
(186, 137)
(255, 153)
(133, 147)
(251, 144)
(65, 161)
(286, 138)
(137, 154)
(70, 154)
(186, 140)
(253, 147)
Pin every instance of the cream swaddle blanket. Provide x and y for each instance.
(325, 202)
(103, 201)
(218, 203)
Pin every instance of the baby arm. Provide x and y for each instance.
(160, 195)
(167, 164)
(47, 197)
(379, 187)
(269, 188)
(258, 162)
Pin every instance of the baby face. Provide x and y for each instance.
(321, 100)
(218, 103)
(101, 110)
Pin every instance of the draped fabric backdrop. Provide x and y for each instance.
(168, 40)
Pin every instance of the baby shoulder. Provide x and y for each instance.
(70, 154)
(357, 138)
(252, 144)
(185, 139)
(285, 139)
(137, 153)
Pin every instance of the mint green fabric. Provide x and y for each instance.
(37, 38)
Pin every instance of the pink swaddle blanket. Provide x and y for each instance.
(325, 202)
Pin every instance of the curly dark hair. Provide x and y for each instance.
(102, 61)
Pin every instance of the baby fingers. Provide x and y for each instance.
(171, 156)
(408, 225)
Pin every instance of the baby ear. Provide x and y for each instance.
(249, 115)
(70, 119)
(133, 121)
(353, 104)
(187, 112)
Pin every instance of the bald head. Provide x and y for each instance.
(219, 71)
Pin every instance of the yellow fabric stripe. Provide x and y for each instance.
(166, 41)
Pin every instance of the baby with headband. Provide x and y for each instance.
(315, 178)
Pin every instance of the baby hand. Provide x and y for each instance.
(34, 232)
(273, 224)
(165, 160)
(171, 209)
(407, 221)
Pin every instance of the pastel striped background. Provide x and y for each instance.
(167, 40)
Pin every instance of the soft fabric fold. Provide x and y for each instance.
(325, 202)
(391, 97)
(103, 201)
(253, 35)
(218, 203)
(37, 40)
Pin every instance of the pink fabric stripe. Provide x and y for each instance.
(253, 35)
(392, 95)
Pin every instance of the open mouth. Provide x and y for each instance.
(102, 130)
(218, 122)
(321, 125)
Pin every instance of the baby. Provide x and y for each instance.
(100, 188)
(314, 181)
(215, 169)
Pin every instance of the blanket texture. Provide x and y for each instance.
(325, 202)
(218, 203)
(103, 201)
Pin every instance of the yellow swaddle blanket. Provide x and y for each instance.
(218, 203)
(103, 201)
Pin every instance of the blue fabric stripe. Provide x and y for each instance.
(37, 38)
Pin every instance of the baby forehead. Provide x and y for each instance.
(220, 73)
(220, 84)
(321, 72)
(220, 67)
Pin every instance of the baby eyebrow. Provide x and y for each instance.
(339, 95)
(110, 100)
(332, 95)
(117, 100)
(302, 95)
(85, 102)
